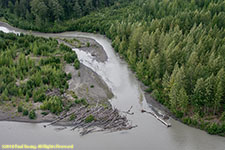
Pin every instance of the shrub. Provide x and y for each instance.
(54, 104)
(89, 119)
(179, 114)
(27, 97)
(81, 101)
(74, 96)
(32, 114)
(25, 112)
(223, 128)
(66, 86)
(76, 64)
(19, 108)
(65, 48)
(69, 76)
(92, 86)
(77, 101)
(213, 128)
(70, 57)
(43, 49)
(50, 60)
(222, 118)
(44, 113)
(39, 95)
(157, 95)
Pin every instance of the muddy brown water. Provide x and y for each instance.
(150, 133)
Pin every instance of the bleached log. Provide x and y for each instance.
(157, 117)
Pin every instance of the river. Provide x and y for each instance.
(150, 133)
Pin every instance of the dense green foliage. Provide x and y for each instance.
(43, 14)
(19, 108)
(25, 112)
(77, 64)
(32, 114)
(30, 67)
(176, 48)
(54, 104)
(44, 113)
(81, 101)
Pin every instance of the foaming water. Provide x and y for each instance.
(6, 30)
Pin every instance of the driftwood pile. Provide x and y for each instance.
(105, 119)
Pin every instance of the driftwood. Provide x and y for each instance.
(104, 119)
(64, 116)
(128, 112)
(157, 117)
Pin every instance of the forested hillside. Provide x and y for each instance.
(176, 48)
(43, 14)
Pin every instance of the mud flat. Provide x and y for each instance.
(89, 85)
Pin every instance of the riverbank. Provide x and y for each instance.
(193, 121)
(159, 109)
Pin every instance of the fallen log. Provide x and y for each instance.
(128, 112)
(157, 117)
(63, 117)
